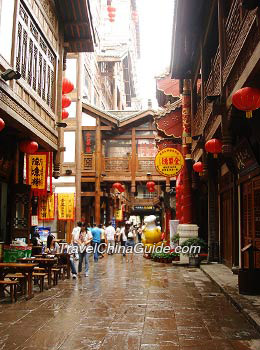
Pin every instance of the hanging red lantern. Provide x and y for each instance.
(111, 15)
(29, 147)
(198, 167)
(64, 114)
(247, 99)
(66, 101)
(214, 146)
(2, 124)
(150, 184)
(67, 86)
(116, 185)
(122, 189)
(111, 9)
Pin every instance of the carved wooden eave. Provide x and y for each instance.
(76, 18)
(169, 120)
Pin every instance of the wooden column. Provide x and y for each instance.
(133, 162)
(57, 156)
(186, 150)
(115, 88)
(79, 135)
(98, 172)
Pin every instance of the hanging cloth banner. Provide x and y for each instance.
(119, 215)
(46, 207)
(65, 206)
(37, 172)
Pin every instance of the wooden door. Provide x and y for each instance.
(226, 226)
(21, 211)
(250, 217)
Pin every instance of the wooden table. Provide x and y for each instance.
(47, 263)
(25, 268)
(59, 256)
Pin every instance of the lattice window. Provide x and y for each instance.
(35, 59)
(116, 165)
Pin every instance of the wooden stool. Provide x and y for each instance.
(13, 288)
(20, 278)
(39, 277)
(56, 273)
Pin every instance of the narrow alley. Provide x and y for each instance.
(144, 305)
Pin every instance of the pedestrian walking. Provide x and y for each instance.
(117, 238)
(123, 239)
(96, 237)
(110, 238)
(102, 246)
(84, 241)
(75, 237)
(130, 242)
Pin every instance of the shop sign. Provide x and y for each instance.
(65, 206)
(244, 158)
(143, 207)
(169, 162)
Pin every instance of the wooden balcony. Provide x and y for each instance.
(241, 38)
(118, 165)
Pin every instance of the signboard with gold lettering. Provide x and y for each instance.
(46, 207)
(65, 206)
(169, 162)
(37, 172)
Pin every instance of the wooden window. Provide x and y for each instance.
(35, 59)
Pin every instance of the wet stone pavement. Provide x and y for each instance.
(137, 306)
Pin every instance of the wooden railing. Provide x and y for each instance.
(116, 165)
(146, 164)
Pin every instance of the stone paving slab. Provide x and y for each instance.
(248, 305)
(128, 306)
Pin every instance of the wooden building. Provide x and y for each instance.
(216, 48)
(33, 35)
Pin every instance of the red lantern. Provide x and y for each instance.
(150, 184)
(247, 99)
(29, 147)
(111, 9)
(2, 124)
(214, 146)
(116, 185)
(66, 101)
(111, 15)
(121, 188)
(64, 114)
(198, 167)
(67, 86)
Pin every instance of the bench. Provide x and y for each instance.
(38, 278)
(21, 280)
(56, 273)
(13, 288)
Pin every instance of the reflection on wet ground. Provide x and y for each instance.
(144, 306)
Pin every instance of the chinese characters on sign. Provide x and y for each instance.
(46, 207)
(169, 162)
(37, 172)
(65, 206)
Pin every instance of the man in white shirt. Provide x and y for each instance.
(110, 238)
(75, 233)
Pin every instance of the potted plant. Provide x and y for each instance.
(195, 245)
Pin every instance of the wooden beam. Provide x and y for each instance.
(88, 179)
(88, 194)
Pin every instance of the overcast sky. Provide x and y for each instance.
(155, 20)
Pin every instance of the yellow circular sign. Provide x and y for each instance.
(169, 162)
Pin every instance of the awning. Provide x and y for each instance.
(77, 21)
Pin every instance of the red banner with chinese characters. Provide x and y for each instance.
(37, 172)
(46, 207)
